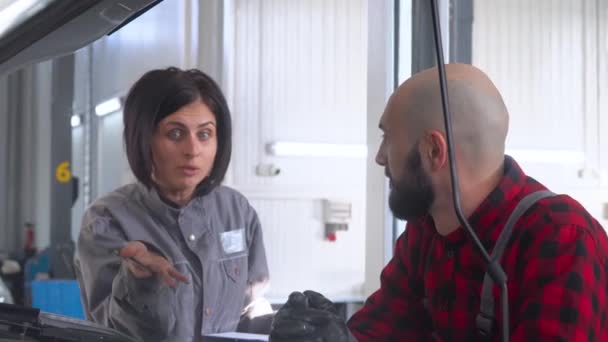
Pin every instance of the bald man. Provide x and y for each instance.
(556, 257)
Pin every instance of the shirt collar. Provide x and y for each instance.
(163, 211)
(492, 213)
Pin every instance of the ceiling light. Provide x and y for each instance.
(110, 106)
(75, 120)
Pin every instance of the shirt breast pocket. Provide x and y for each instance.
(236, 267)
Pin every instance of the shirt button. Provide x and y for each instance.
(208, 312)
(237, 271)
(450, 253)
(191, 237)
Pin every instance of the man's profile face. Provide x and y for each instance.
(411, 191)
(412, 194)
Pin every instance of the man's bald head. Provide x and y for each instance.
(479, 116)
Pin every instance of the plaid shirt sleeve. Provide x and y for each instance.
(563, 297)
(395, 312)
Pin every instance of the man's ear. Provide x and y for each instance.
(434, 150)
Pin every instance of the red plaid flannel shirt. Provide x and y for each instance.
(556, 263)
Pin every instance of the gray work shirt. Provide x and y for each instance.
(215, 240)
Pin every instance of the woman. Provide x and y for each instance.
(175, 255)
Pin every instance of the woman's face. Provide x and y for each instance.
(183, 149)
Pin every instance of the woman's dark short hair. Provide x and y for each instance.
(156, 95)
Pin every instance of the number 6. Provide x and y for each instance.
(63, 173)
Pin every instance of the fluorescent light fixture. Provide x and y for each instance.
(295, 149)
(110, 106)
(75, 120)
(548, 156)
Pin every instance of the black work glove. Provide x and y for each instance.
(308, 317)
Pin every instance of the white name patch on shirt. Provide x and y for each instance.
(233, 241)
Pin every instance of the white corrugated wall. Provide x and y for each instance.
(548, 58)
(297, 73)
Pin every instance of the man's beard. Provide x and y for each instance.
(412, 197)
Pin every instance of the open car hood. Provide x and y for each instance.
(19, 323)
(35, 30)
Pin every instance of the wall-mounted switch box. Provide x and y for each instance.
(336, 217)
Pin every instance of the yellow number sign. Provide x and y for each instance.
(62, 173)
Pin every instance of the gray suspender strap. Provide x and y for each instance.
(485, 317)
